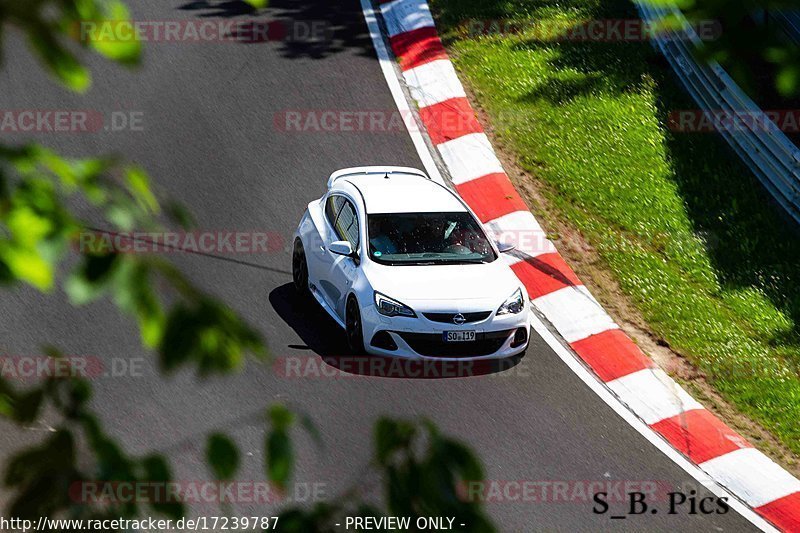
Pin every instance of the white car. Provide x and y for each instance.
(404, 266)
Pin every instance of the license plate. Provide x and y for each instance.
(458, 336)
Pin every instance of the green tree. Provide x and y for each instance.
(747, 39)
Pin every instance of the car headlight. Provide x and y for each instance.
(388, 307)
(515, 304)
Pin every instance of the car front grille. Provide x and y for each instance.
(432, 345)
(448, 317)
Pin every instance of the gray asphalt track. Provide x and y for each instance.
(209, 140)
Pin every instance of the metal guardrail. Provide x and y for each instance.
(758, 141)
(789, 21)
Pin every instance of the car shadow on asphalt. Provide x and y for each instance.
(323, 336)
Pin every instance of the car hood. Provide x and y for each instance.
(411, 284)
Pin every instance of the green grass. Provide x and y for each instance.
(688, 232)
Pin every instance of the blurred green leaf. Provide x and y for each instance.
(6, 276)
(179, 338)
(279, 458)
(297, 521)
(58, 60)
(788, 79)
(6, 409)
(27, 406)
(312, 430)
(27, 226)
(55, 164)
(278, 448)
(90, 280)
(775, 54)
(99, 267)
(280, 417)
(27, 265)
(258, 4)
(135, 295)
(3, 191)
(126, 51)
(209, 333)
(79, 392)
(40, 473)
(461, 460)
(179, 214)
(122, 216)
(139, 186)
(156, 470)
(391, 435)
(223, 456)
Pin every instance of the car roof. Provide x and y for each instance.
(404, 193)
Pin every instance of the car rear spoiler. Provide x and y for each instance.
(368, 171)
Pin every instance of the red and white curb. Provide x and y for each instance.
(632, 377)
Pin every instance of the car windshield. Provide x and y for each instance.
(427, 239)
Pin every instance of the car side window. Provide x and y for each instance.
(347, 224)
(332, 207)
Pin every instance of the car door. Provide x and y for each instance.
(323, 257)
(314, 230)
(343, 269)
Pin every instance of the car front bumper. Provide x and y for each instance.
(496, 337)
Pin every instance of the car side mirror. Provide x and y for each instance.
(504, 247)
(341, 248)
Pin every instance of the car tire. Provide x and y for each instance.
(353, 327)
(300, 269)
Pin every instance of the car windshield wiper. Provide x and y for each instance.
(443, 261)
(447, 261)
